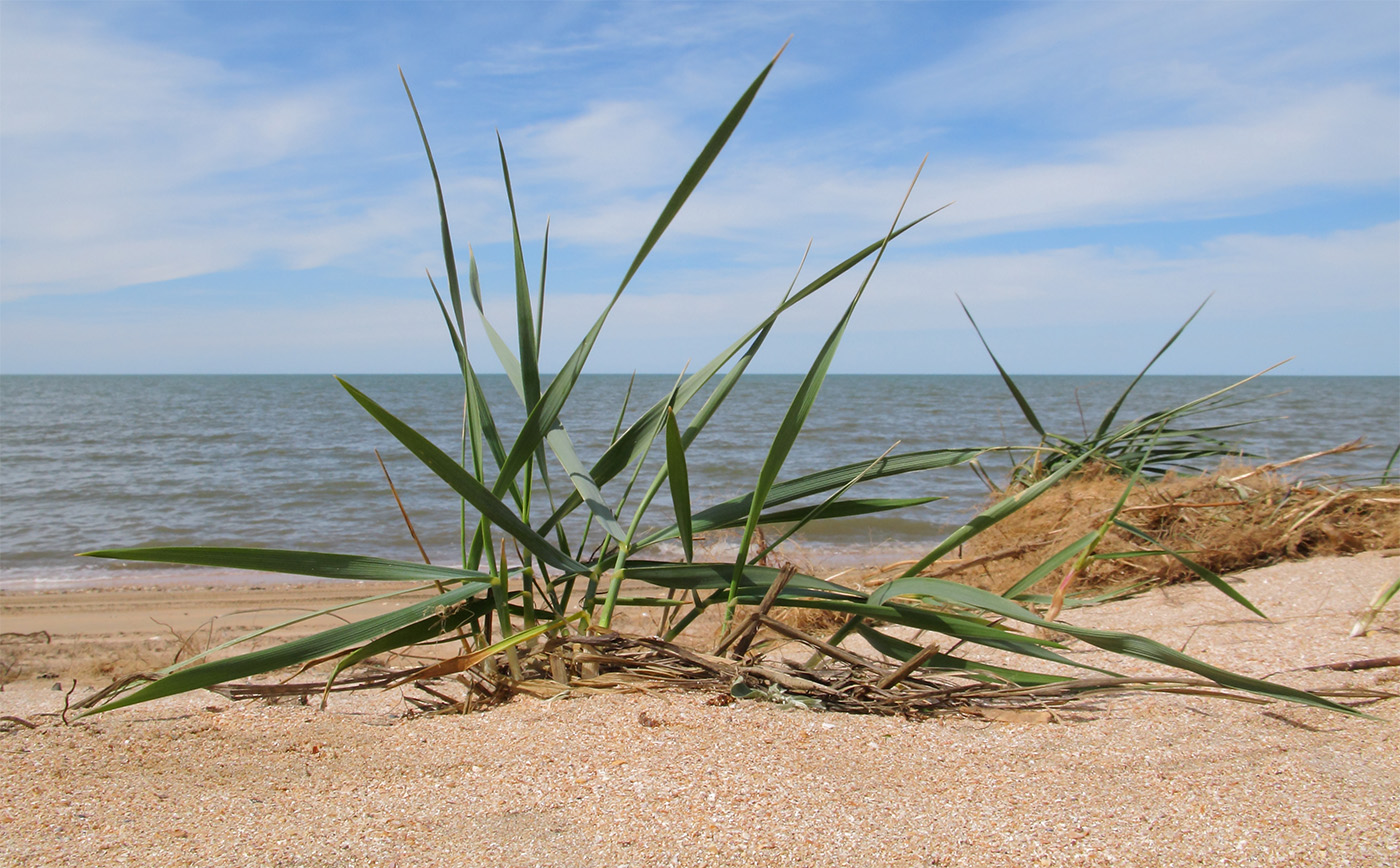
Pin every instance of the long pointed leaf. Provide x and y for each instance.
(293, 653)
(819, 511)
(680, 484)
(1049, 565)
(993, 514)
(544, 270)
(625, 449)
(1005, 377)
(849, 508)
(524, 313)
(509, 363)
(437, 623)
(587, 488)
(1113, 411)
(901, 650)
(485, 501)
(305, 616)
(1109, 640)
(454, 287)
(320, 564)
(801, 407)
(544, 414)
(729, 512)
(1208, 576)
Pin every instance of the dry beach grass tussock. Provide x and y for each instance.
(1233, 519)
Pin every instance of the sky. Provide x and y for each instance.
(241, 188)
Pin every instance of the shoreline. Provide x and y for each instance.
(91, 629)
(820, 555)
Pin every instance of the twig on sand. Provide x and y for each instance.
(1353, 665)
(27, 638)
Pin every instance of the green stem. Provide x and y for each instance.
(614, 587)
(590, 594)
(527, 593)
(690, 616)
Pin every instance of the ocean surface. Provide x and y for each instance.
(90, 462)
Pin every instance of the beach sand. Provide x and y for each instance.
(666, 778)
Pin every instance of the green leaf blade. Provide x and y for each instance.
(300, 563)
(1119, 643)
(293, 653)
(483, 499)
(679, 478)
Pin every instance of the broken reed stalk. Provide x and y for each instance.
(909, 666)
(1379, 602)
(1354, 665)
(833, 651)
(402, 511)
(1353, 446)
(742, 634)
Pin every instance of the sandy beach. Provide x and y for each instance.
(670, 778)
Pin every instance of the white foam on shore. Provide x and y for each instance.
(39, 579)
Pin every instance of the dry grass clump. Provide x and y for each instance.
(1234, 519)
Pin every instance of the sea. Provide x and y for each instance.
(288, 461)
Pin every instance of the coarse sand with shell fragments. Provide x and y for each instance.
(675, 778)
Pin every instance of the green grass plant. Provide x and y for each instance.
(1151, 444)
(528, 583)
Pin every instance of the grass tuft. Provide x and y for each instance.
(531, 611)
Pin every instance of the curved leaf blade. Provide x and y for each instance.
(1126, 644)
(466, 485)
(679, 478)
(293, 653)
(319, 564)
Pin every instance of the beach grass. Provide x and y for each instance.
(534, 600)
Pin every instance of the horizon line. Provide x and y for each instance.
(671, 374)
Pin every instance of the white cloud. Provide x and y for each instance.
(129, 161)
(169, 117)
(610, 147)
(1069, 308)
(1068, 64)
(1088, 291)
(1345, 272)
(1343, 139)
(125, 162)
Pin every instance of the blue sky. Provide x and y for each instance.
(240, 187)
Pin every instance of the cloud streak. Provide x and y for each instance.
(134, 161)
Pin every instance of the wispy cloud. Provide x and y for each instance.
(1341, 139)
(1067, 65)
(126, 162)
(1087, 298)
(610, 147)
(133, 158)
(1248, 275)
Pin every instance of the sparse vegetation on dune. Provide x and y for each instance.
(1229, 520)
(535, 605)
